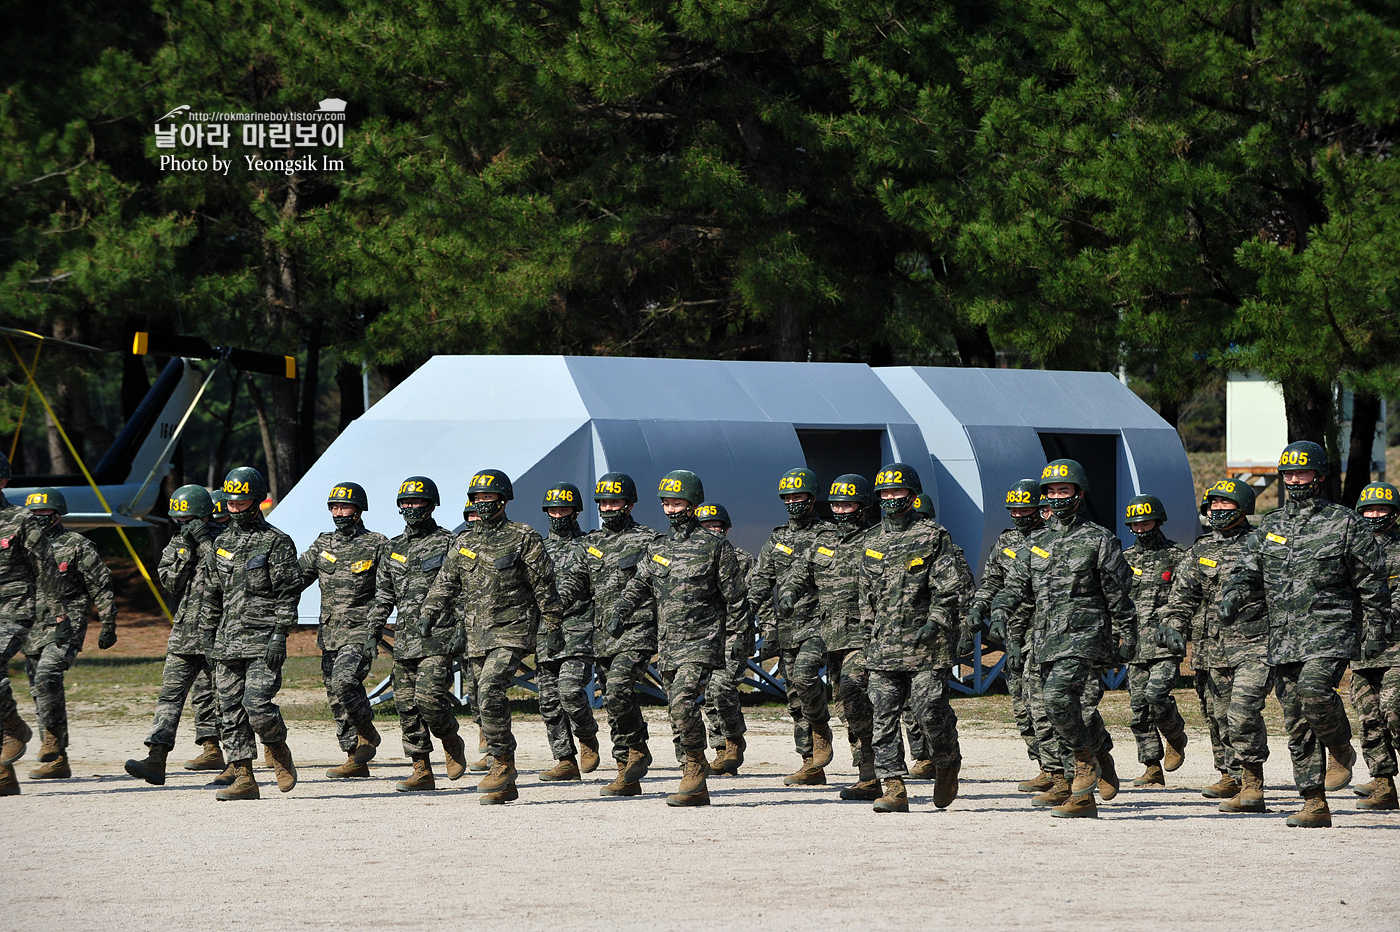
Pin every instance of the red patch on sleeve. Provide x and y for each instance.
(1167, 575)
(5, 543)
(63, 567)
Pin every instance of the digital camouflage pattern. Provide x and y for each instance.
(492, 672)
(247, 691)
(1390, 654)
(789, 545)
(408, 569)
(1008, 544)
(183, 571)
(345, 563)
(1313, 716)
(830, 571)
(610, 560)
(423, 697)
(1375, 682)
(569, 555)
(564, 704)
(83, 581)
(1237, 694)
(343, 673)
(28, 581)
(1192, 607)
(724, 713)
(185, 676)
(908, 576)
(696, 584)
(1154, 713)
(925, 693)
(253, 592)
(1152, 559)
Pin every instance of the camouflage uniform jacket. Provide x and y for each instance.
(253, 590)
(567, 554)
(501, 579)
(1390, 657)
(344, 562)
(908, 576)
(788, 545)
(1153, 561)
(1002, 554)
(698, 585)
(28, 572)
(1195, 596)
(184, 574)
(83, 580)
(411, 565)
(1074, 572)
(1324, 580)
(831, 569)
(610, 560)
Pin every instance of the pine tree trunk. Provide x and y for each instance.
(1308, 405)
(1365, 411)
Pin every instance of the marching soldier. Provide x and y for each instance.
(693, 578)
(498, 575)
(1375, 678)
(792, 626)
(422, 663)
(345, 562)
(723, 710)
(563, 676)
(184, 573)
(1324, 580)
(253, 591)
(83, 581)
(1152, 669)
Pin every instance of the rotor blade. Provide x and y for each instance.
(250, 361)
(172, 344)
(40, 338)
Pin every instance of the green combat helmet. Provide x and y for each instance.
(924, 505)
(348, 493)
(1379, 493)
(418, 496)
(1232, 490)
(683, 484)
(1300, 455)
(490, 480)
(191, 501)
(1144, 508)
(614, 486)
(710, 512)
(220, 513)
(897, 476)
(244, 484)
(46, 499)
(793, 482)
(562, 495)
(850, 487)
(1024, 493)
(1064, 470)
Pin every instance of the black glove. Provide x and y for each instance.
(108, 637)
(1014, 662)
(1229, 606)
(1374, 645)
(276, 651)
(769, 649)
(975, 618)
(554, 641)
(786, 604)
(966, 643)
(69, 656)
(1168, 638)
(371, 645)
(739, 650)
(929, 635)
(63, 631)
(457, 645)
(197, 531)
(997, 630)
(1127, 648)
(615, 626)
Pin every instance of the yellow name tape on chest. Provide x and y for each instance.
(917, 561)
(596, 552)
(1009, 552)
(660, 559)
(783, 548)
(875, 554)
(359, 566)
(1043, 554)
(398, 556)
(224, 553)
(1207, 561)
(470, 554)
(826, 551)
(330, 557)
(1275, 538)
(1136, 571)
(181, 551)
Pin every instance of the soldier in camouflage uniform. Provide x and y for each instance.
(1075, 573)
(697, 585)
(563, 676)
(251, 607)
(723, 710)
(499, 577)
(832, 570)
(422, 665)
(52, 646)
(1153, 669)
(611, 555)
(1324, 580)
(1375, 677)
(792, 626)
(184, 574)
(345, 563)
(909, 598)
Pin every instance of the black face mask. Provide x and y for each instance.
(893, 506)
(1063, 506)
(562, 526)
(488, 510)
(345, 522)
(47, 521)
(1380, 523)
(613, 520)
(1026, 523)
(1221, 518)
(415, 514)
(847, 518)
(1145, 536)
(799, 510)
(247, 520)
(680, 517)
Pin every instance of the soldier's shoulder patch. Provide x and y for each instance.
(595, 552)
(1009, 552)
(1207, 561)
(467, 552)
(398, 556)
(874, 554)
(826, 551)
(1043, 554)
(782, 548)
(1275, 538)
(359, 566)
(660, 559)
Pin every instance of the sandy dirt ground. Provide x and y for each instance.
(103, 850)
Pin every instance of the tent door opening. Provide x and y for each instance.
(830, 453)
(1098, 454)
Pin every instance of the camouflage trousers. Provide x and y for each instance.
(1067, 693)
(685, 689)
(1154, 712)
(620, 675)
(1016, 688)
(1237, 701)
(246, 689)
(12, 638)
(564, 704)
(851, 681)
(926, 691)
(1376, 695)
(1219, 752)
(800, 667)
(185, 675)
(493, 674)
(423, 696)
(724, 713)
(45, 671)
(343, 672)
(1314, 716)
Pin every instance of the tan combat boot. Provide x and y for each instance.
(480, 766)
(621, 786)
(1108, 777)
(638, 763)
(351, 769)
(454, 750)
(1339, 763)
(9, 783)
(1037, 784)
(152, 769)
(588, 758)
(1152, 776)
(1314, 813)
(1086, 774)
(1250, 798)
(821, 745)
(923, 770)
(482, 745)
(945, 790)
(895, 798)
(867, 785)
(1175, 752)
(368, 744)
(420, 779)
(565, 769)
(1223, 788)
(226, 778)
(56, 769)
(501, 775)
(48, 747)
(717, 766)
(1058, 792)
(17, 735)
(807, 775)
(1365, 789)
(734, 749)
(1077, 807)
(282, 765)
(1383, 797)
(212, 758)
(693, 790)
(244, 785)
